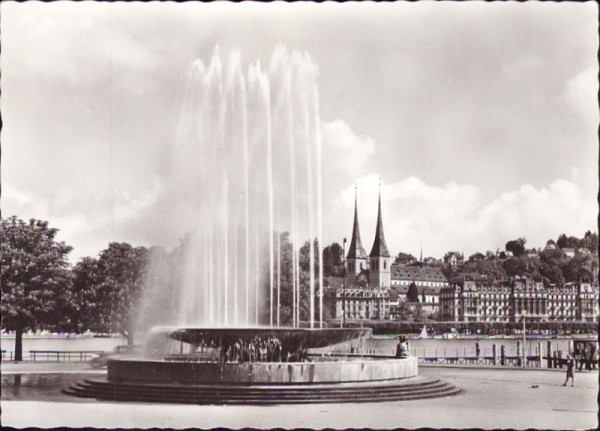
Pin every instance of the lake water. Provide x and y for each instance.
(99, 344)
(420, 347)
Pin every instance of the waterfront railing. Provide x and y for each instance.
(53, 355)
(541, 356)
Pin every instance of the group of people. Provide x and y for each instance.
(585, 354)
(256, 349)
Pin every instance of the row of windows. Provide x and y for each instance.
(418, 283)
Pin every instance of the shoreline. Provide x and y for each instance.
(381, 336)
(83, 336)
(584, 337)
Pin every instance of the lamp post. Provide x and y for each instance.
(343, 284)
(523, 315)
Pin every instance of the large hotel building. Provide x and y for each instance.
(471, 300)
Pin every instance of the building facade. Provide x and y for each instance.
(372, 285)
(511, 301)
(428, 280)
(363, 303)
(454, 258)
(587, 300)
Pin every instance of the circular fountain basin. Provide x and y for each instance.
(188, 368)
(292, 337)
(124, 370)
(183, 378)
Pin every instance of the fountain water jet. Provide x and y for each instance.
(230, 123)
(252, 135)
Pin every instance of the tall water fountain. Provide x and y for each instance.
(252, 137)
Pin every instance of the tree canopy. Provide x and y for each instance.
(516, 246)
(404, 258)
(413, 294)
(35, 276)
(333, 260)
(121, 270)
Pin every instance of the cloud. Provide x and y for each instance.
(87, 223)
(343, 149)
(580, 94)
(457, 217)
(345, 154)
(79, 46)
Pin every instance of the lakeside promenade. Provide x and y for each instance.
(492, 397)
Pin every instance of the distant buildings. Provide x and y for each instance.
(454, 258)
(472, 300)
(584, 251)
(476, 256)
(376, 288)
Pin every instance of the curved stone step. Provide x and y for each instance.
(217, 394)
(262, 389)
(110, 392)
(258, 390)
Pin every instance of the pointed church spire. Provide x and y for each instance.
(421, 257)
(379, 246)
(356, 250)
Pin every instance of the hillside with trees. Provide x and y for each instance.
(550, 265)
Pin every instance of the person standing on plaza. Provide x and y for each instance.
(570, 367)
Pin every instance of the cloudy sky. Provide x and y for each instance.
(480, 118)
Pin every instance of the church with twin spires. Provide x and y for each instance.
(373, 285)
(373, 270)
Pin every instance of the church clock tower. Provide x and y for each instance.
(380, 260)
(356, 260)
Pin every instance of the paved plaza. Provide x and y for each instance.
(491, 398)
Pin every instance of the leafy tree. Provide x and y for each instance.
(578, 268)
(450, 272)
(404, 258)
(407, 312)
(493, 269)
(413, 293)
(590, 241)
(570, 242)
(516, 246)
(419, 314)
(532, 267)
(121, 269)
(86, 278)
(34, 275)
(403, 311)
(552, 273)
(513, 267)
(562, 241)
(552, 257)
(573, 242)
(333, 260)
